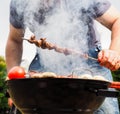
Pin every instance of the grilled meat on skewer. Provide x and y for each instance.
(46, 45)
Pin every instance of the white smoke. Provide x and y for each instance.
(60, 29)
(61, 22)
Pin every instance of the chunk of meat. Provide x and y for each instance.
(85, 76)
(98, 77)
(44, 75)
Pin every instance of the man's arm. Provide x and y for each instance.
(14, 47)
(111, 58)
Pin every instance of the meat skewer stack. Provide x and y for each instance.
(46, 45)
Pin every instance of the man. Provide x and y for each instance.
(67, 23)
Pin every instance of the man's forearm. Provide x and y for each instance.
(13, 53)
(111, 58)
(115, 37)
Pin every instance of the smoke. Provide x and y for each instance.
(64, 23)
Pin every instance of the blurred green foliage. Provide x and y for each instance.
(3, 88)
(116, 77)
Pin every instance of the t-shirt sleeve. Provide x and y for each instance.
(16, 19)
(100, 7)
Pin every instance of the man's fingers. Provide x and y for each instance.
(109, 59)
(117, 66)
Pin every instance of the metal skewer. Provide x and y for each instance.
(89, 57)
(25, 38)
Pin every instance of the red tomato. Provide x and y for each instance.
(16, 72)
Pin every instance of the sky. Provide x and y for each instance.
(29, 50)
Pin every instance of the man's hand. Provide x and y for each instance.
(109, 59)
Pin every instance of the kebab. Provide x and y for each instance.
(46, 45)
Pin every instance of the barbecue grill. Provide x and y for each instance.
(59, 95)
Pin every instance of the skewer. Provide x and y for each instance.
(25, 39)
(92, 58)
(45, 45)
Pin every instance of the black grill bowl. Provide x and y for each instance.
(56, 96)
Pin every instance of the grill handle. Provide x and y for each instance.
(105, 93)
